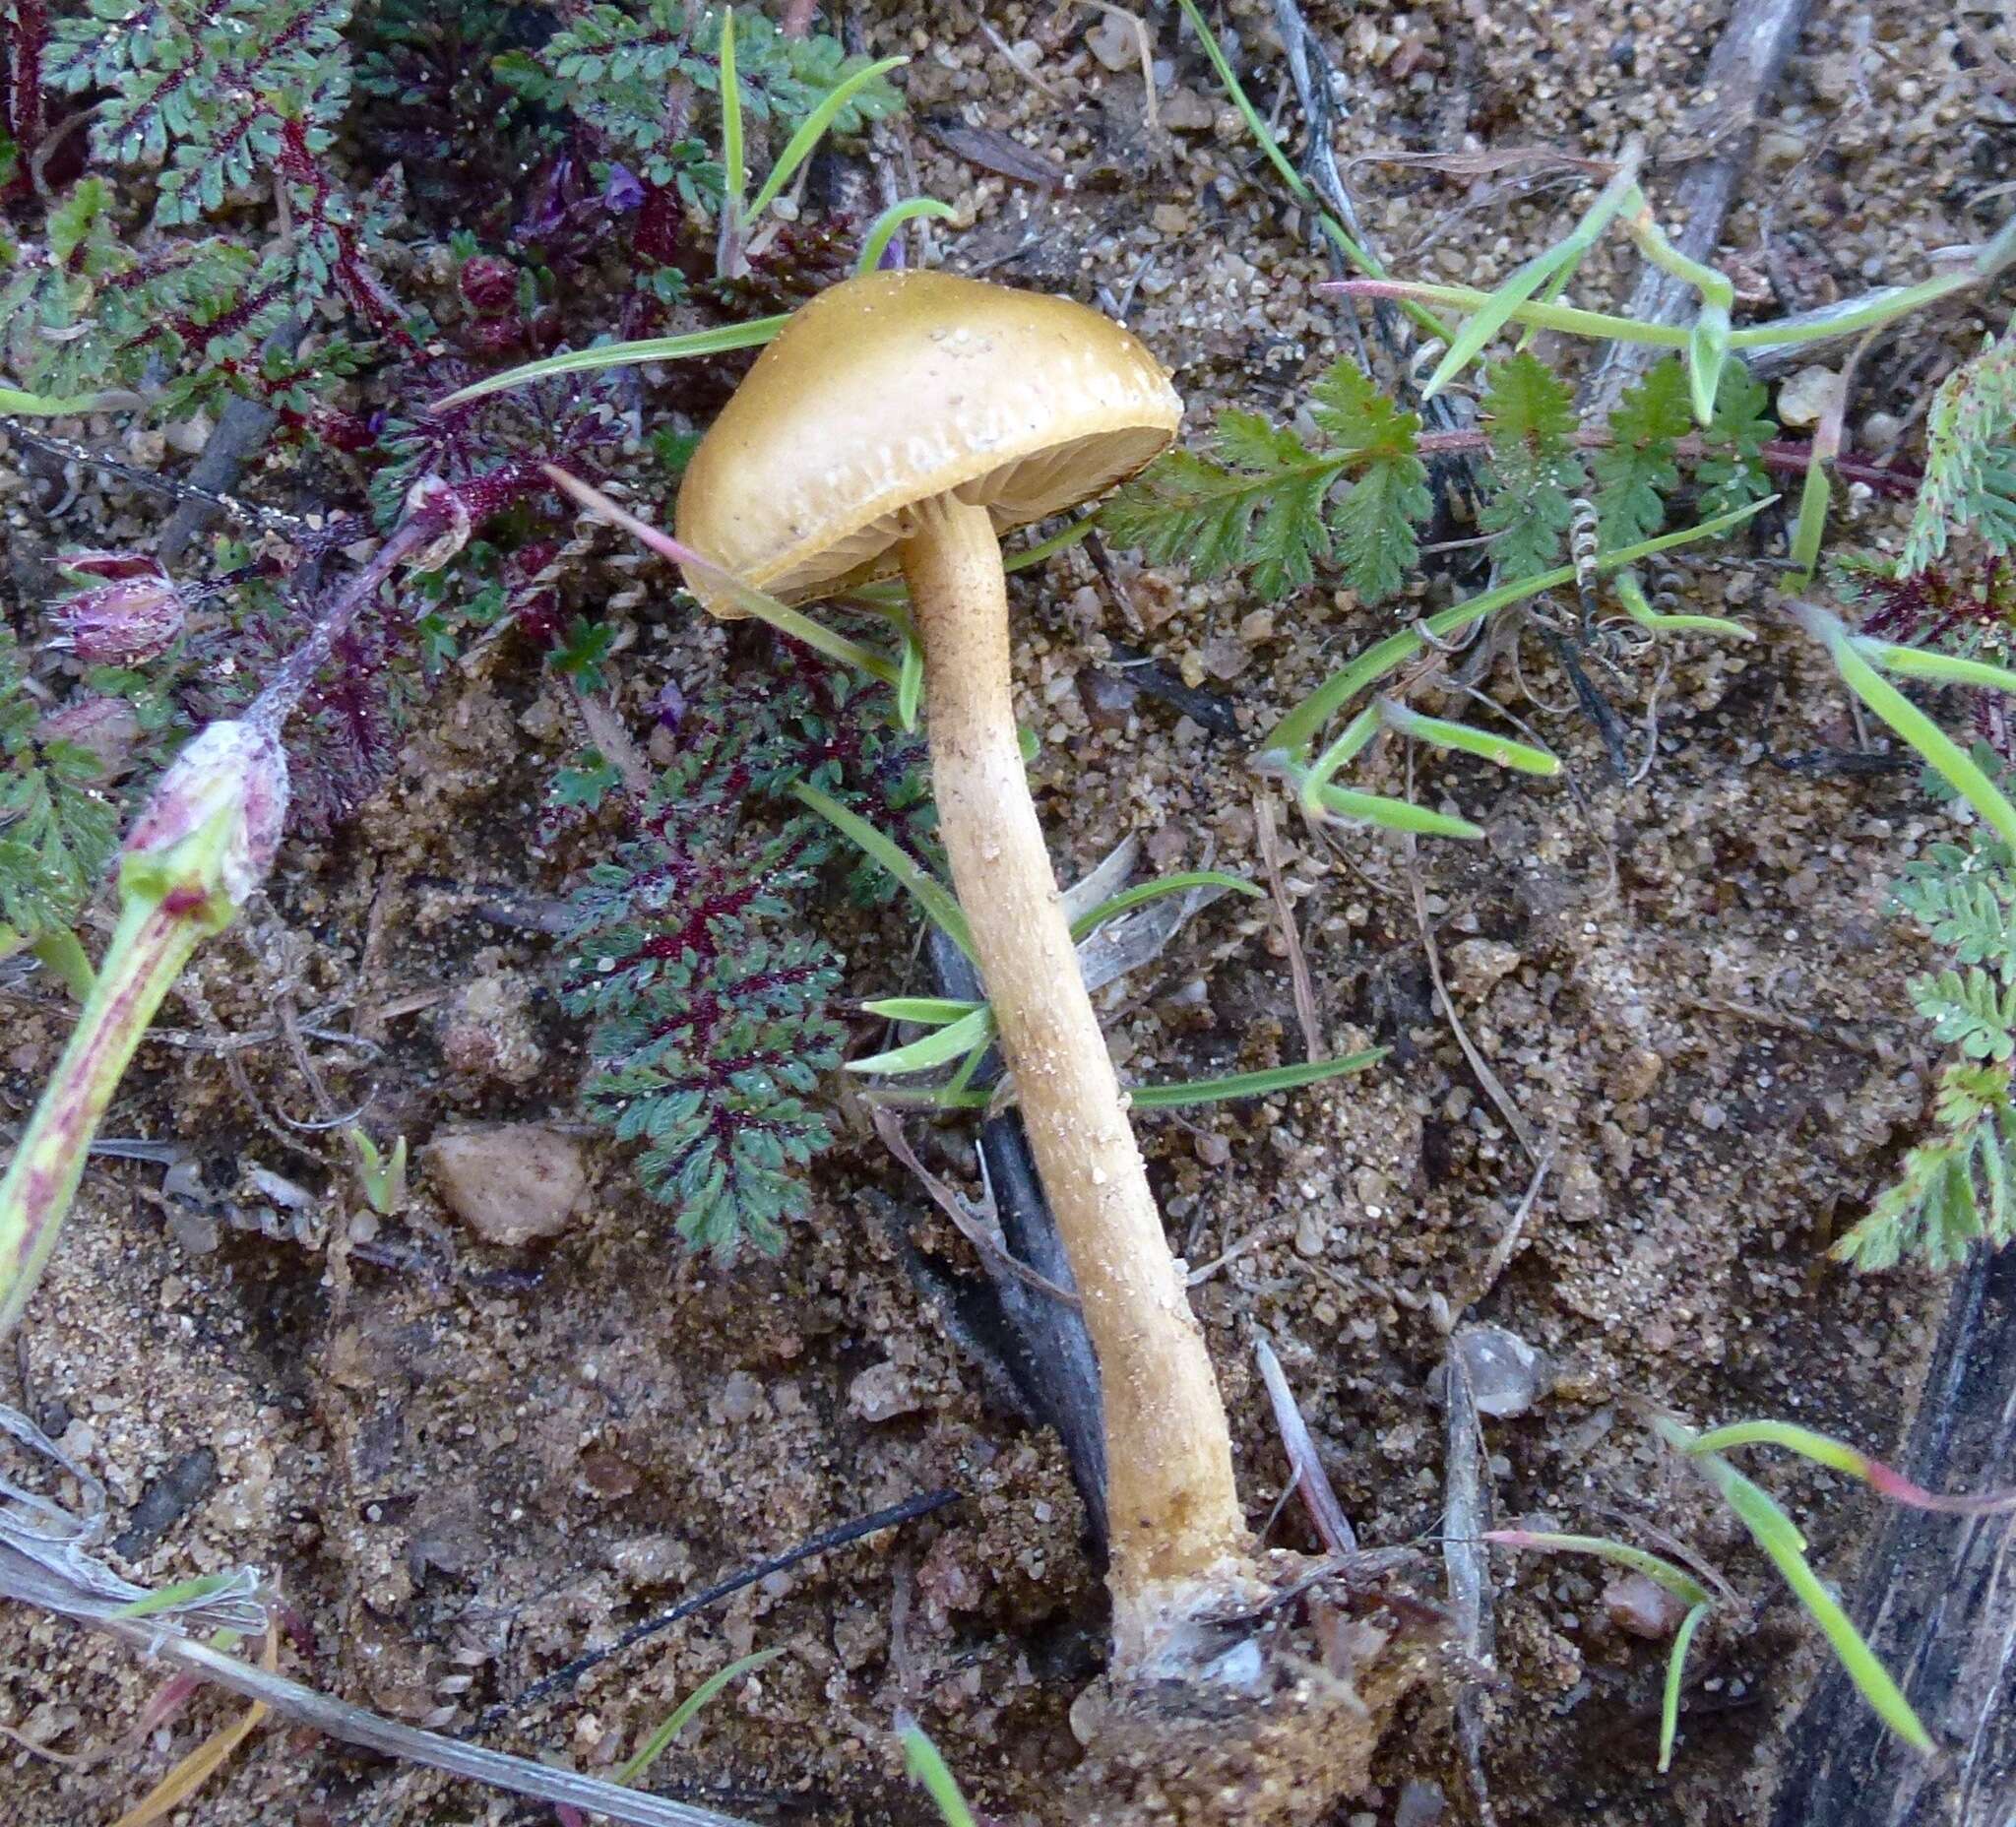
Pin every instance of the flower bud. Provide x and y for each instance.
(105, 728)
(129, 611)
(488, 285)
(208, 835)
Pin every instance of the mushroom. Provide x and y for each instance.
(904, 421)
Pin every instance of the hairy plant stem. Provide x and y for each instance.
(156, 937)
(1171, 1506)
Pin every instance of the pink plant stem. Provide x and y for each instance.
(297, 671)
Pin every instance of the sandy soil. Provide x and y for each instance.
(468, 1463)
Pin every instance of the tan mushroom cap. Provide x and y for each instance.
(895, 389)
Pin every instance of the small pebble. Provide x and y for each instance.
(1477, 966)
(509, 1182)
(882, 1392)
(1507, 1376)
(1641, 1606)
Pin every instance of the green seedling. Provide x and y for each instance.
(1858, 658)
(1631, 593)
(1775, 1533)
(1293, 738)
(381, 1175)
(1837, 1456)
(891, 222)
(927, 1768)
(1784, 1548)
(964, 1031)
(1683, 1585)
(684, 1712)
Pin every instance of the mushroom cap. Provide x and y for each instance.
(895, 389)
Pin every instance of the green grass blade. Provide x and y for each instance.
(937, 1049)
(909, 680)
(1325, 768)
(68, 406)
(1778, 1536)
(681, 1716)
(1390, 814)
(1945, 756)
(1181, 882)
(1570, 318)
(1501, 750)
(1301, 726)
(1676, 1674)
(1663, 1573)
(1924, 662)
(182, 1593)
(733, 162)
(927, 1011)
(1837, 1456)
(1816, 495)
(890, 223)
(757, 330)
(799, 146)
(1250, 1084)
(927, 1769)
(751, 601)
(1551, 268)
(925, 889)
(1632, 595)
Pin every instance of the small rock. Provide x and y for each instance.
(652, 1560)
(1507, 1376)
(1808, 396)
(485, 1030)
(1115, 44)
(1421, 1804)
(509, 1182)
(882, 1392)
(1579, 1195)
(1169, 219)
(1477, 966)
(1313, 1232)
(1184, 110)
(1642, 1608)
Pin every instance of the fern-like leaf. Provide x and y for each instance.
(1967, 900)
(1528, 416)
(1265, 503)
(1969, 1009)
(1730, 472)
(57, 829)
(711, 1007)
(1636, 473)
(1936, 1210)
(1969, 479)
(1374, 521)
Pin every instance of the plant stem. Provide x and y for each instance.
(155, 939)
(1173, 1510)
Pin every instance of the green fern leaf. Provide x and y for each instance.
(1265, 503)
(1971, 1010)
(58, 829)
(1730, 474)
(1373, 522)
(1969, 479)
(1636, 473)
(1529, 418)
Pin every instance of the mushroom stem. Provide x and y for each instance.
(1172, 1509)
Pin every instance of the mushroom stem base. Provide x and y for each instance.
(1174, 1512)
